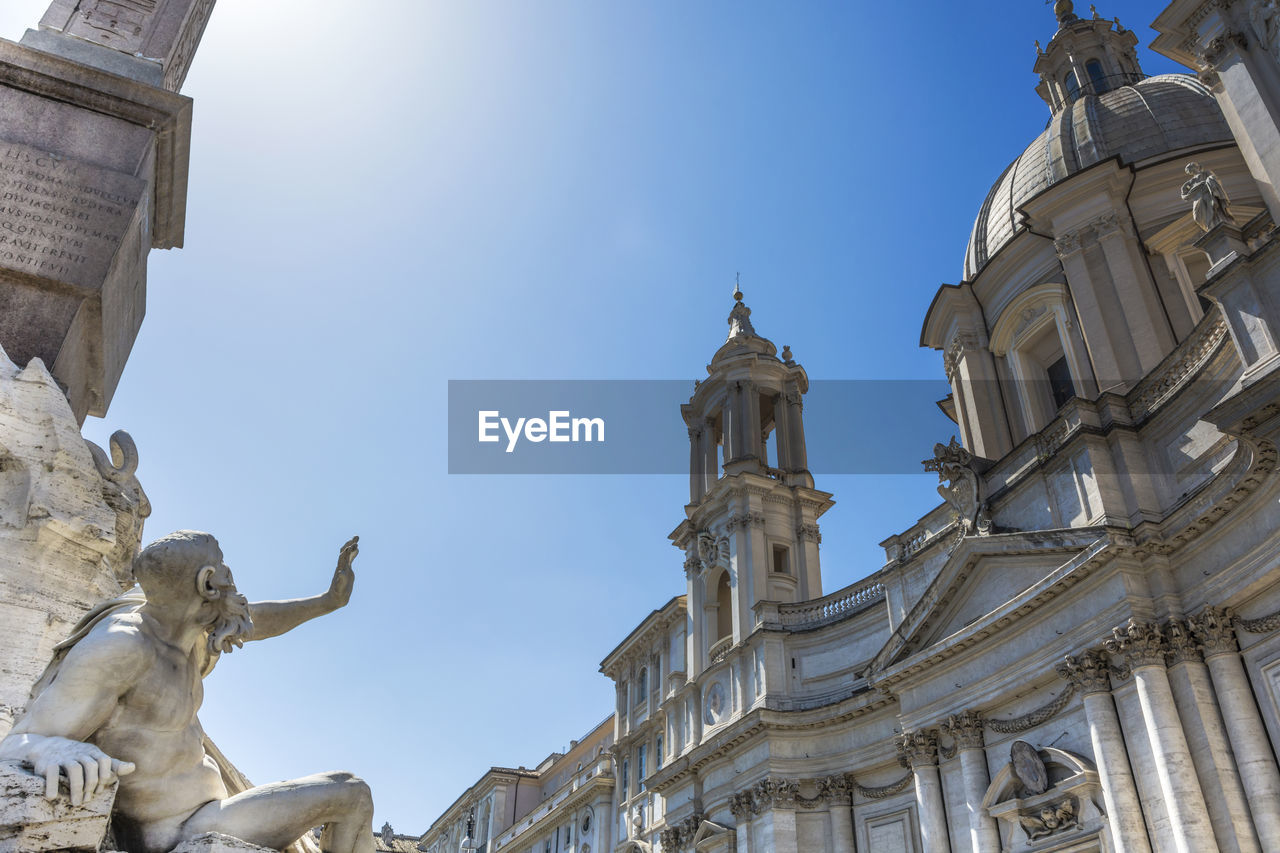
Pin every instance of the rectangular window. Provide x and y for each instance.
(781, 560)
(657, 754)
(626, 777)
(640, 772)
(1060, 385)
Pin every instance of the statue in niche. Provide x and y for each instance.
(1264, 17)
(120, 699)
(1208, 198)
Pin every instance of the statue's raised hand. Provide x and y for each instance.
(343, 577)
(87, 768)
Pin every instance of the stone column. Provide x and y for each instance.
(1254, 759)
(1210, 746)
(782, 432)
(1089, 675)
(697, 476)
(966, 729)
(732, 420)
(795, 409)
(921, 751)
(753, 439)
(838, 792)
(1143, 646)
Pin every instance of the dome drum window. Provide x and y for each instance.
(1045, 365)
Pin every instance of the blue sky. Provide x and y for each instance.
(386, 199)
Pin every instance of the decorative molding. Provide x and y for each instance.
(882, 791)
(745, 520)
(1034, 718)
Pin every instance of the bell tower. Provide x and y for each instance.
(751, 531)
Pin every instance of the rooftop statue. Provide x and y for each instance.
(1208, 198)
(121, 696)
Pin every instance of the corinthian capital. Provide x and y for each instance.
(1214, 627)
(919, 748)
(1089, 673)
(1140, 643)
(1067, 244)
(966, 729)
(836, 789)
(1182, 642)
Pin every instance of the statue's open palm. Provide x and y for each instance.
(343, 577)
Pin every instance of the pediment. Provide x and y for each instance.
(713, 837)
(983, 576)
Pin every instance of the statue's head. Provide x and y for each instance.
(187, 566)
(1193, 168)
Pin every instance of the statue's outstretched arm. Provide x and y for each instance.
(273, 618)
(50, 737)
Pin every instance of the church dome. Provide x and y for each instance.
(1139, 121)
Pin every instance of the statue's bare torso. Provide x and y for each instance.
(155, 726)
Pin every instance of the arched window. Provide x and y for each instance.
(1045, 365)
(642, 684)
(1097, 79)
(1072, 86)
(724, 608)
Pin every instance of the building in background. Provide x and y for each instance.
(1078, 649)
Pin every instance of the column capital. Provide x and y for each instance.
(1089, 673)
(919, 748)
(836, 790)
(1214, 628)
(1140, 643)
(1182, 642)
(966, 729)
(774, 794)
(741, 806)
(1067, 244)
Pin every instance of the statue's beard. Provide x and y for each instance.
(231, 623)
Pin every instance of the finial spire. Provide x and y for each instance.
(1065, 10)
(740, 316)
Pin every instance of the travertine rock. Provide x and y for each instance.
(57, 531)
(216, 842)
(29, 823)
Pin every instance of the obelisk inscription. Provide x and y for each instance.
(60, 218)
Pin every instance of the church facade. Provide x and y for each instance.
(1079, 649)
